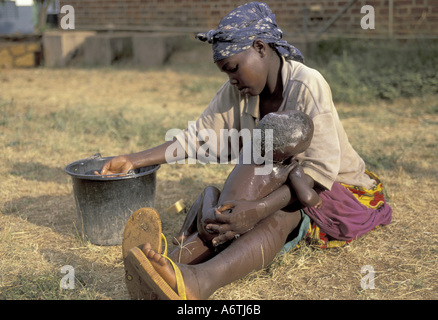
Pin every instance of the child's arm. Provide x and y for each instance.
(245, 214)
(303, 187)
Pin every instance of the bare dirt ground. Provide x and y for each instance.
(50, 118)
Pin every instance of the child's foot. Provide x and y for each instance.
(163, 267)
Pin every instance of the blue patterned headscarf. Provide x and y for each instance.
(238, 30)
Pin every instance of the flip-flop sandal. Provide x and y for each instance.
(144, 226)
(144, 271)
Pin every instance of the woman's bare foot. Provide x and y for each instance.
(165, 270)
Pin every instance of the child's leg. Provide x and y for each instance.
(252, 251)
(207, 199)
(192, 248)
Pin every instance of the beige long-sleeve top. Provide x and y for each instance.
(330, 156)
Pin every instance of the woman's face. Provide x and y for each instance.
(246, 70)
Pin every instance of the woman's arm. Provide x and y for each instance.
(149, 157)
(239, 216)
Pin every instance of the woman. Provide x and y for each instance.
(266, 74)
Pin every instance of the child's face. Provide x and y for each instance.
(247, 70)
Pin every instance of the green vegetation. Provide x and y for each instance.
(362, 71)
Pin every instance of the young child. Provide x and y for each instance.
(292, 134)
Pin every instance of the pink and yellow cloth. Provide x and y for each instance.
(348, 212)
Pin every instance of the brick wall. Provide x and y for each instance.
(411, 18)
(18, 54)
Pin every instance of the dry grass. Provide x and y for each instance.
(49, 118)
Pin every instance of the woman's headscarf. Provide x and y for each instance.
(238, 30)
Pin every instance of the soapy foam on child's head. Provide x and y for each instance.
(289, 129)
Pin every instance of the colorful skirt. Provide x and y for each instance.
(347, 213)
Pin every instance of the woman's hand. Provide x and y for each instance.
(235, 218)
(116, 165)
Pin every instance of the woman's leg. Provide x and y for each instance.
(252, 251)
(192, 250)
